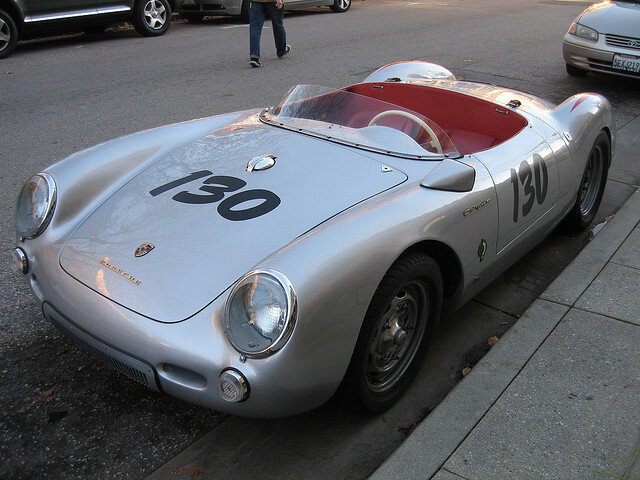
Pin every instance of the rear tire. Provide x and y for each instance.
(396, 329)
(592, 184)
(151, 18)
(340, 6)
(575, 71)
(8, 34)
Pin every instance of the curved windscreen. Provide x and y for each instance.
(360, 121)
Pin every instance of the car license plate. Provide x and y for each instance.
(628, 63)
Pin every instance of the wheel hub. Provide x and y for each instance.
(154, 15)
(397, 338)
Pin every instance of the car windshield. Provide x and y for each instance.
(360, 121)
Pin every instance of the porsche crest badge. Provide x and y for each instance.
(143, 249)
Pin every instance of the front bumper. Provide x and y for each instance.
(594, 56)
(184, 359)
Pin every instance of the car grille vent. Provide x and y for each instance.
(622, 41)
(132, 367)
(123, 368)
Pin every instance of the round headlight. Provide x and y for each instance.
(260, 313)
(35, 205)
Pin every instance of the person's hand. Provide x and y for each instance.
(279, 3)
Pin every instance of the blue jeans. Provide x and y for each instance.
(257, 15)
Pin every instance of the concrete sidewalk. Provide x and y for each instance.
(558, 397)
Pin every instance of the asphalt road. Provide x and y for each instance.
(64, 415)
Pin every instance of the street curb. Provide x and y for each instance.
(438, 436)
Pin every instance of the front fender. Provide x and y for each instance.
(337, 267)
(86, 179)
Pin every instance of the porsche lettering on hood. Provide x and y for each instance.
(211, 220)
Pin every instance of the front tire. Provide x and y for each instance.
(8, 34)
(151, 18)
(340, 6)
(592, 184)
(396, 328)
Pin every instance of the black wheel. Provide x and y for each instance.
(575, 71)
(396, 328)
(340, 5)
(592, 184)
(151, 17)
(245, 11)
(8, 34)
(193, 17)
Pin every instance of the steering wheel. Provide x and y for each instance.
(434, 138)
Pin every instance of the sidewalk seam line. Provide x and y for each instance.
(605, 316)
(501, 393)
(456, 474)
(623, 265)
(495, 308)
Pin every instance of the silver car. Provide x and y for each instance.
(195, 10)
(605, 38)
(258, 262)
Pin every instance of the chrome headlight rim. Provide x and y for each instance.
(51, 203)
(291, 312)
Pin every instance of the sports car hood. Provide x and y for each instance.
(617, 17)
(180, 233)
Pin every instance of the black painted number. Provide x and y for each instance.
(535, 184)
(256, 202)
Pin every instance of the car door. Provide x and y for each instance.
(40, 10)
(525, 172)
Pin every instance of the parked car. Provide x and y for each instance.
(29, 17)
(605, 38)
(195, 10)
(258, 262)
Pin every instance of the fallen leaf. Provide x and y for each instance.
(467, 61)
(504, 323)
(8, 72)
(193, 469)
(48, 395)
(492, 341)
(465, 371)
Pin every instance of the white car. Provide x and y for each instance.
(605, 38)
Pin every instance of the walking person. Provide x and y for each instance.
(275, 9)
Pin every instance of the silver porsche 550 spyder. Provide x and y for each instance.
(258, 262)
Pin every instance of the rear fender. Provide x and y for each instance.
(580, 119)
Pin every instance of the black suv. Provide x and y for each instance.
(26, 17)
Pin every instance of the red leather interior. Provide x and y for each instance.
(472, 124)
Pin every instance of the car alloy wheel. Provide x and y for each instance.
(152, 17)
(8, 34)
(341, 5)
(155, 15)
